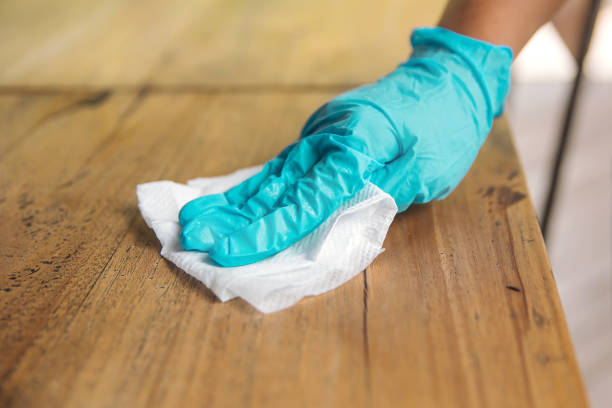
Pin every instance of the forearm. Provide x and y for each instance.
(501, 22)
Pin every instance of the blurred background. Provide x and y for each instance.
(47, 47)
(579, 237)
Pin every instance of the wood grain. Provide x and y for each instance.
(205, 43)
(461, 310)
(91, 315)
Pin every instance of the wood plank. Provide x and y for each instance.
(93, 316)
(481, 315)
(205, 43)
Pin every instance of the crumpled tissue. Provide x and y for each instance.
(344, 245)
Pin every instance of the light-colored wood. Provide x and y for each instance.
(208, 43)
(487, 318)
(94, 317)
(581, 235)
(96, 98)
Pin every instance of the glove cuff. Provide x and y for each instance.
(489, 63)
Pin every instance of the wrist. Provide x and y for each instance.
(511, 23)
(483, 68)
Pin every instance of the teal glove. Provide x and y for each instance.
(413, 133)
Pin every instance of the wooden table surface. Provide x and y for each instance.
(95, 98)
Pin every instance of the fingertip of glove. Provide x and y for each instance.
(198, 206)
(196, 238)
(185, 215)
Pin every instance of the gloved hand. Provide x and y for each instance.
(413, 133)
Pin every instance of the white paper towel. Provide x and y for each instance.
(345, 244)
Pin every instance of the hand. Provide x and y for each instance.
(413, 133)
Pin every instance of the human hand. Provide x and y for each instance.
(414, 133)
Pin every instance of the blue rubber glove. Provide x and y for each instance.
(414, 133)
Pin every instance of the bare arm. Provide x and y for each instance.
(502, 22)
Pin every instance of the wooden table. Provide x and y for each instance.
(95, 98)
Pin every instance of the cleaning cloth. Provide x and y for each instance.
(344, 245)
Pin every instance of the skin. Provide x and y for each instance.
(501, 22)
(338, 153)
(570, 22)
